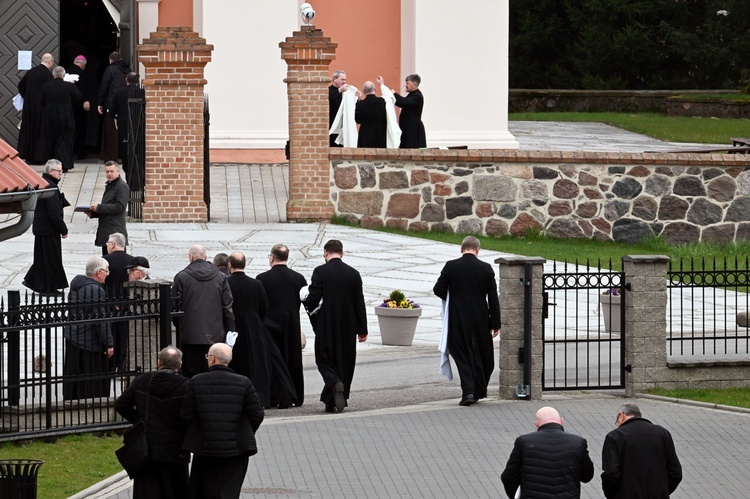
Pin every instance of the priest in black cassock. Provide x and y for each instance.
(339, 322)
(473, 318)
(412, 129)
(252, 353)
(57, 100)
(282, 286)
(31, 146)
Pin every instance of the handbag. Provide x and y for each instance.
(133, 455)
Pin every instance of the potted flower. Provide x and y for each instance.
(610, 303)
(397, 318)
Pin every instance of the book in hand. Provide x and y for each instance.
(82, 208)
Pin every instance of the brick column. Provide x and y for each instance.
(308, 54)
(645, 322)
(174, 58)
(511, 289)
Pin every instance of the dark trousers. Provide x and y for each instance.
(194, 359)
(217, 477)
(162, 481)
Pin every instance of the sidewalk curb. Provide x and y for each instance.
(695, 403)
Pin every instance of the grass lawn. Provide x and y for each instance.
(736, 397)
(71, 464)
(658, 126)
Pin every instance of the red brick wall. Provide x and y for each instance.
(174, 58)
(308, 54)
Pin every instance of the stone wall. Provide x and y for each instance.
(618, 196)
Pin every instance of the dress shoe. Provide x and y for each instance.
(338, 396)
(467, 400)
(330, 408)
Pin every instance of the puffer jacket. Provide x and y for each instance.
(548, 464)
(222, 412)
(92, 336)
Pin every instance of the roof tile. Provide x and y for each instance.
(15, 174)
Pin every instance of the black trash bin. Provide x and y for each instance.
(18, 478)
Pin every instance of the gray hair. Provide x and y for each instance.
(51, 164)
(337, 73)
(170, 357)
(414, 78)
(119, 239)
(95, 263)
(470, 242)
(58, 72)
(630, 410)
(368, 87)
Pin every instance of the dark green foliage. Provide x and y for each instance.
(629, 44)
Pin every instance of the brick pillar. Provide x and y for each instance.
(511, 289)
(174, 58)
(645, 322)
(308, 54)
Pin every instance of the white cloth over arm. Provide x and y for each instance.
(344, 124)
(393, 136)
(445, 363)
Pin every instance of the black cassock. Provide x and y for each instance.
(254, 354)
(282, 286)
(58, 98)
(31, 145)
(410, 120)
(473, 310)
(337, 324)
(373, 123)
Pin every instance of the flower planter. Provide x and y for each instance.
(397, 325)
(611, 312)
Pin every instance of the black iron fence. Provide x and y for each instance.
(55, 378)
(583, 328)
(135, 160)
(706, 300)
(207, 157)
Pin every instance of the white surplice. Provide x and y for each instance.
(343, 123)
(393, 136)
(445, 362)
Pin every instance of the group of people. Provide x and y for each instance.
(376, 116)
(638, 459)
(46, 275)
(56, 110)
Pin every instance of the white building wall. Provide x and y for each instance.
(461, 53)
(246, 88)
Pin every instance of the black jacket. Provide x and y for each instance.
(48, 214)
(164, 428)
(373, 124)
(92, 336)
(639, 460)
(223, 413)
(548, 463)
(112, 211)
(207, 303)
(112, 79)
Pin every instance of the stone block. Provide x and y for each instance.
(403, 205)
(362, 203)
(494, 188)
(742, 319)
(345, 177)
(393, 180)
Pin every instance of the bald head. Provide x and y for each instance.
(221, 352)
(547, 415)
(368, 88)
(197, 252)
(48, 60)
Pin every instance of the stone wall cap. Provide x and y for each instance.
(520, 260)
(646, 258)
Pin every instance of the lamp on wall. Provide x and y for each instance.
(308, 14)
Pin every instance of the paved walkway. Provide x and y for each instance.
(403, 434)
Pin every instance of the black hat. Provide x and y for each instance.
(138, 261)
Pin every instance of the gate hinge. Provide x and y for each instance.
(628, 368)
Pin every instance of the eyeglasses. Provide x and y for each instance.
(59, 170)
(106, 271)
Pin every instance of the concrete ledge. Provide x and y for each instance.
(708, 361)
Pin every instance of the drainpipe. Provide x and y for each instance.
(26, 218)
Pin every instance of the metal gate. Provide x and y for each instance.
(25, 25)
(583, 328)
(135, 167)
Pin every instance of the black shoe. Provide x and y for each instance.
(330, 408)
(284, 405)
(467, 400)
(338, 396)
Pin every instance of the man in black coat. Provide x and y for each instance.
(370, 114)
(549, 463)
(410, 121)
(118, 260)
(282, 286)
(119, 111)
(473, 318)
(639, 458)
(31, 144)
(206, 300)
(47, 274)
(223, 413)
(112, 211)
(112, 79)
(341, 319)
(81, 109)
(163, 390)
(254, 354)
(57, 100)
(337, 87)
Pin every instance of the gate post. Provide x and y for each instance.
(308, 54)
(645, 351)
(512, 288)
